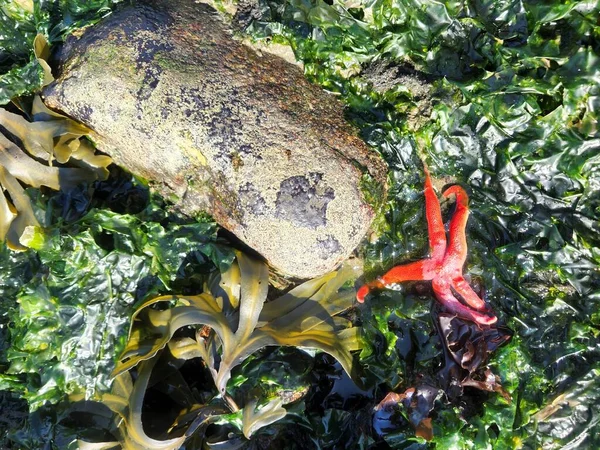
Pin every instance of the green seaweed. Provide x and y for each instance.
(511, 110)
(501, 97)
(21, 21)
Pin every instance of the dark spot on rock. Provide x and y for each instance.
(247, 12)
(246, 152)
(303, 200)
(140, 126)
(84, 113)
(251, 200)
(151, 79)
(164, 113)
(146, 51)
(245, 149)
(154, 83)
(260, 117)
(354, 231)
(327, 246)
(224, 133)
(193, 102)
(143, 17)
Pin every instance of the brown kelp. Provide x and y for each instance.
(52, 152)
(229, 321)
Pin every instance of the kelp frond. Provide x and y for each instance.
(125, 401)
(304, 317)
(41, 50)
(233, 320)
(48, 140)
(254, 419)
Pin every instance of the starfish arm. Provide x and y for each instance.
(442, 291)
(435, 224)
(415, 271)
(461, 286)
(456, 254)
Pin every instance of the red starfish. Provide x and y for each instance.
(444, 267)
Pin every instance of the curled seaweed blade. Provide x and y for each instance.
(126, 401)
(135, 437)
(26, 169)
(254, 418)
(16, 217)
(38, 137)
(310, 323)
(84, 156)
(7, 213)
(51, 139)
(313, 301)
(152, 329)
(253, 293)
(41, 50)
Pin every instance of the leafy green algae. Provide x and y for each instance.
(508, 107)
(511, 113)
(21, 21)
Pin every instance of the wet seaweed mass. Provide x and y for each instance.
(500, 98)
